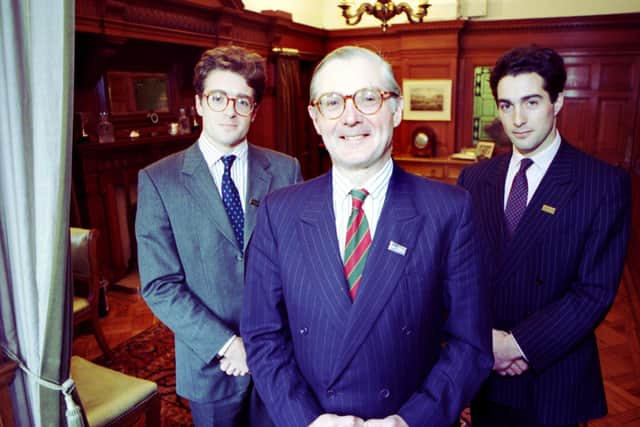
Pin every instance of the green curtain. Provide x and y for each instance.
(36, 92)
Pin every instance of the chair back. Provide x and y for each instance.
(86, 281)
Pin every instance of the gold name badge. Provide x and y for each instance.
(548, 209)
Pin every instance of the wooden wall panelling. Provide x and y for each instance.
(416, 51)
(433, 67)
(633, 256)
(601, 54)
(106, 184)
(600, 99)
(7, 374)
(162, 36)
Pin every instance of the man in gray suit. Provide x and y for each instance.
(196, 211)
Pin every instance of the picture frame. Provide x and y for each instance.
(427, 99)
(484, 149)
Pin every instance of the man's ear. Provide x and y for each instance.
(313, 113)
(254, 113)
(397, 114)
(557, 106)
(198, 105)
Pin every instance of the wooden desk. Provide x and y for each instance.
(440, 168)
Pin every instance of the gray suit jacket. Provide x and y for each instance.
(191, 268)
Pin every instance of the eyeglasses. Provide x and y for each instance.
(218, 101)
(368, 101)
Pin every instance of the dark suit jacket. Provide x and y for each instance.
(191, 267)
(555, 280)
(311, 351)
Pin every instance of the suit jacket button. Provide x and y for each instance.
(239, 257)
(304, 331)
(384, 393)
(331, 393)
(406, 330)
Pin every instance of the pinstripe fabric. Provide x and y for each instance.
(310, 350)
(555, 280)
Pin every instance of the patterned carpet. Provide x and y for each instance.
(150, 355)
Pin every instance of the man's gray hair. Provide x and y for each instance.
(355, 52)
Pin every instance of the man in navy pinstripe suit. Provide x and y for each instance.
(321, 355)
(555, 272)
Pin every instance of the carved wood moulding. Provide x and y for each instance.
(581, 32)
(193, 22)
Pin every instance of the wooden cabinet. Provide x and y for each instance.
(105, 193)
(440, 168)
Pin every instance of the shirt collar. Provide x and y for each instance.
(212, 154)
(541, 160)
(376, 185)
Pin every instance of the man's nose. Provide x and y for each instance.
(351, 114)
(519, 116)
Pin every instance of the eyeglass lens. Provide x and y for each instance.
(367, 101)
(218, 101)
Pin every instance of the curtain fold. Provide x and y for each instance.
(290, 110)
(36, 92)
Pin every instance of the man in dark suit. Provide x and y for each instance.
(556, 224)
(347, 303)
(196, 212)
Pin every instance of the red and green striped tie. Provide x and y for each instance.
(357, 243)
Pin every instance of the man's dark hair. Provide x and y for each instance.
(236, 59)
(531, 59)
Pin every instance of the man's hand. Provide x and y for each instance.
(234, 361)
(391, 421)
(507, 357)
(333, 420)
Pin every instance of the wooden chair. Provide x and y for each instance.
(111, 398)
(86, 282)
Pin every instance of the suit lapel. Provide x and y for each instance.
(492, 203)
(200, 184)
(259, 183)
(399, 222)
(320, 244)
(556, 188)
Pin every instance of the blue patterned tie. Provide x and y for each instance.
(517, 201)
(231, 201)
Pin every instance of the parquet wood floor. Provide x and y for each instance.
(617, 340)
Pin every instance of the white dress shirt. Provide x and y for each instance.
(535, 172)
(377, 188)
(239, 170)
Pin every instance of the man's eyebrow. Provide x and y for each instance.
(524, 98)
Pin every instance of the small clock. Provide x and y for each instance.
(423, 142)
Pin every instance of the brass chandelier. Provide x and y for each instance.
(384, 10)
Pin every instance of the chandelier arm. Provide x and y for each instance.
(413, 18)
(362, 9)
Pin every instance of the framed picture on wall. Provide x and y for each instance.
(427, 99)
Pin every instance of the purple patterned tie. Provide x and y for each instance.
(517, 201)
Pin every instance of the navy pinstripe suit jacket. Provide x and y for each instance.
(555, 280)
(311, 351)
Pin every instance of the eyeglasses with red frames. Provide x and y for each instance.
(366, 100)
(218, 101)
